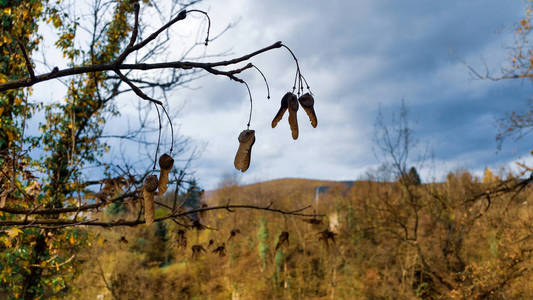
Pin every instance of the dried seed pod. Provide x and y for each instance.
(182, 239)
(327, 235)
(242, 158)
(150, 185)
(197, 250)
(313, 221)
(293, 120)
(283, 238)
(198, 226)
(307, 101)
(282, 109)
(221, 250)
(233, 233)
(165, 163)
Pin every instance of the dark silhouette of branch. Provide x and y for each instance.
(26, 59)
(61, 210)
(55, 223)
(209, 67)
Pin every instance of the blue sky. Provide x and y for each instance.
(357, 56)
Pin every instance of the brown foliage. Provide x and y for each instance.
(462, 238)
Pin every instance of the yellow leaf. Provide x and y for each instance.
(13, 232)
(10, 136)
(7, 242)
(71, 240)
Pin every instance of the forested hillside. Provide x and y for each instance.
(466, 237)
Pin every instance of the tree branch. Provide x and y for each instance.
(62, 210)
(26, 59)
(56, 73)
(47, 223)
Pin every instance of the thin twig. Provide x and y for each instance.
(264, 78)
(26, 59)
(68, 222)
(158, 135)
(133, 38)
(136, 89)
(208, 22)
(251, 106)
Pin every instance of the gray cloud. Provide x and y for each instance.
(357, 55)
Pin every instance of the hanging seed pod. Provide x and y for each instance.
(233, 233)
(307, 101)
(242, 158)
(283, 238)
(181, 239)
(313, 221)
(326, 236)
(150, 185)
(197, 250)
(220, 250)
(282, 109)
(165, 164)
(293, 121)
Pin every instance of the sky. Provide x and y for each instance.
(358, 57)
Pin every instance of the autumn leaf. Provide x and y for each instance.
(13, 232)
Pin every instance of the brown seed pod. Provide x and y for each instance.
(233, 233)
(197, 250)
(165, 163)
(283, 238)
(313, 221)
(293, 120)
(326, 236)
(221, 250)
(182, 239)
(307, 101)
(282, 109)
(150, 185)
(242, 158)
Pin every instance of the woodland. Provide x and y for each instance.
(130, 230)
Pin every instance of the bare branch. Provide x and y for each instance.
(56, 73)
(26, 59)
(68, 222)
(136, 89)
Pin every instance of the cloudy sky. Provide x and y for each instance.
(357, 56)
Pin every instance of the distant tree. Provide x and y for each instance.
(395, 146)
(412, 177)
(488, 176)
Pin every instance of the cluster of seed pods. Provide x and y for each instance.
(153, 184)
(289, 102)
